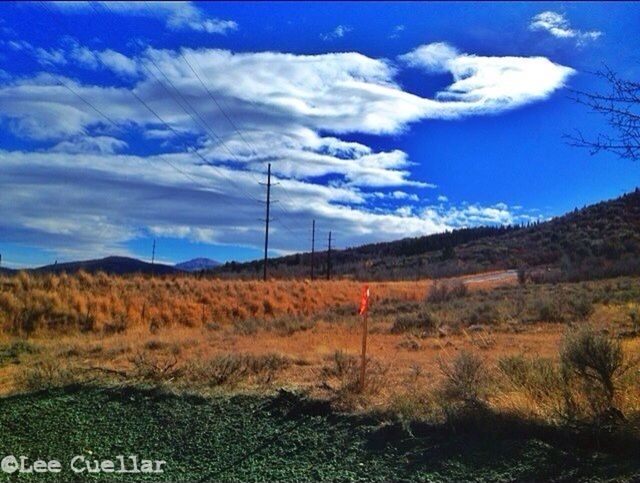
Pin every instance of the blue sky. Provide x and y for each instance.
(125, 122)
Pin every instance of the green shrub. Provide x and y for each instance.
(596, 361)
(549, 309)
(581, 307)
(423, 321)
(483, 313)
(465, 380)
(443, 292)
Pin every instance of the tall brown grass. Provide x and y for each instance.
(111, 304)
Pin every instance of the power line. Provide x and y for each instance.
(189, 109)
(166, 124)
(188, 148)
(203, 121)
(103, 115)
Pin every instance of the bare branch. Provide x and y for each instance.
(621, 110)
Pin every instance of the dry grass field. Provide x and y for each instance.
(211, 336)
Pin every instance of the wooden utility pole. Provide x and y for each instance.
(266, 229)
(153, 258)
(313, 246)
(329, 258)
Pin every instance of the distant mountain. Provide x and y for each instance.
(197, 264)
(112, 265)
(600, 240)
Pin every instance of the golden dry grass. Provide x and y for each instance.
(66, 303)
(188, 333)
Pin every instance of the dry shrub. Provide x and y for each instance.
(563, 307)
(11, 352)
(154, 368)
(465, 383)
(154, 345)
(446, 291)
(422, 322)
(48, 374)
(246, 326)
(593, 363)
(231, 369)
(409, 406)
(582, 389)
(483, 313)
(346, 369)
(290, 325)
(410, 343)
(340, 365)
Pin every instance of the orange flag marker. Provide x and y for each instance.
(364, 311)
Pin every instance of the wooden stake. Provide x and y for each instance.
(363, 364)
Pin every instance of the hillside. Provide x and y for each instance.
(599, 240)
(112, 265)
(197, 264)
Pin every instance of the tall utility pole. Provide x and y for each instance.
(329, 259)
(266, 229)
(313, 246)
(153, 255)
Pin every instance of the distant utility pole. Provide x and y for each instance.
(266, 221)
(313, 246)
(153, 252)
(329, 259)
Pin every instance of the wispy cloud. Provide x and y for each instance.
(397, 30)
(337, 33)
(296, 112)
(487, 84)
(177, 15)
(558, 26)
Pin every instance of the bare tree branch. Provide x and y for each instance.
(621, 109)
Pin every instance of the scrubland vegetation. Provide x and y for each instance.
(597, 241)
(559, 355)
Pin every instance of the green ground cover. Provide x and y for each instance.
(253, 438)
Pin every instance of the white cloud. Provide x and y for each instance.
(336, 33)
(90, 144)
(118, 62)
(487, 84)
(177, 15)
(557, 25)
(397, 30)
(294, 112)
(433, 57)
(443, 199)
